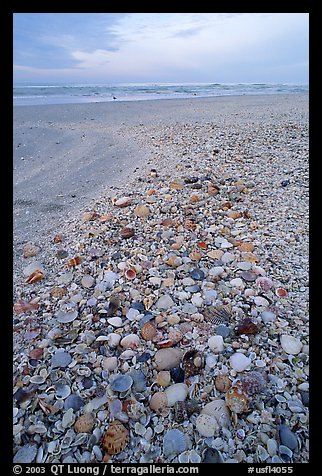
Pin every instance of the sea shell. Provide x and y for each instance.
(167, 359)
(222, 383)
(202, 245)
(163, 378)
(120, 382)
(207, 425)
(246, 246)
(174, 442)
(159, 401)
(177, 374)
(121, 202)
(280, 292)
(35, 276)
(174, 261)
(253, 382)
(216, 343)
(66, 316)
(127, 232)
(234, 214)
(130, 273)
(85, 423)
(177, 184)
(88, 216)
(217, 315)
(74, 261)
(131, 341)
(180, 412)
(247, 326)
(115, 438)
(236, 399)
(24, 306)
(58, 238)
(113, 305)
(239, 362)
(176, 392)
(148, 331)
(58, 292)
(213, 189)
(142, 211)
(30, 250)
(264, 283)
(192, 362)
(218, 409)
(291, 345)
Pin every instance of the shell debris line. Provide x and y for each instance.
(169, 322)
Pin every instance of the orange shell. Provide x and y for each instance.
(177, 184)
(34, 277)
(234, 215)
(74, 261)
(246, 246)
(85, 423)
(190, 225)
(115, 438)
(148, 331)
(202, 245)
(236, 400)
(195, 256)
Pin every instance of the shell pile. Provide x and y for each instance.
(153, 318)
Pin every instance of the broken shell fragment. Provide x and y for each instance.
(247, 326)
(192, 362)
(127, 233)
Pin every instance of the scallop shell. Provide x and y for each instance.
(217, 316)
(253, 382)
(192, 362)
(236, 399)
(291, 345)
(35, 276)
(246, 246)
(148, 331)
(174, 442)
(264, 283)
(85, 423)
(115, 438)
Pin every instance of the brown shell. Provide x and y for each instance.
(35, 276)
(202, 245)
(190, 224)
(148, 331)
(127, 233)
(85, 423)
(247, 327)
(74, 261)
(234, 214)
(115, 438)
(30, 250)
(195, 256)
(222, 383)
(213, 189)
(58, 238)
(217, 316)
(180, 412)
(58, 292)
(192, 362)
(236, 399)
(246, 246)
(142, 211)
(177, 184)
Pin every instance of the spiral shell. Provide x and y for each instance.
(115, 438)
(35, 276)
(237, 400)
(74, 261)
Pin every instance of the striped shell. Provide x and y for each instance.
(218, 316)
(237, 399)
(74, 261)
(115, 438)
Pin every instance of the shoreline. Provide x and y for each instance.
(219, 209)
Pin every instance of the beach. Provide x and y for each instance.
(175, 225)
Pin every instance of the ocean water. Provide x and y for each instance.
(35, 94)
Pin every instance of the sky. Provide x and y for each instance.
(161, 47)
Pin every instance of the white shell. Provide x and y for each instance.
(131, 341)
(176, 393)
(206, 425)
(216, 343)
(115, 321)
(290, 344)
(66, 316)
(109, 363)
(218, 409)
(239, 362)
(260, 301)
(114, 339)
